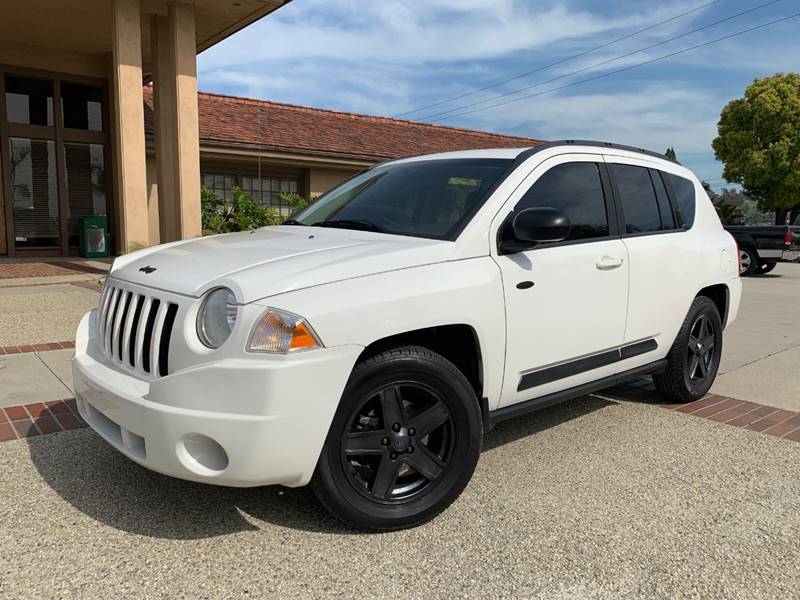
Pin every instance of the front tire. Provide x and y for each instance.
(403, 443)
(693, 360)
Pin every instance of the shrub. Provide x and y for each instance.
(296, 201)
(242, 214)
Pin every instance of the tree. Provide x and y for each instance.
(759, 143)
(670, 154)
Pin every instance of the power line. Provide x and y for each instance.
(558, 62)
(634, 66)
(446, 113)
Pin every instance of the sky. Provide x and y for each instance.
(393, 57)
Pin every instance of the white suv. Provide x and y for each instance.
(367, 345)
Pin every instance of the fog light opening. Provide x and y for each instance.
(201, 453)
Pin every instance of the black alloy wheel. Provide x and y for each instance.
(398, 443)
(693, 359)
(403, 443)
(700, 353)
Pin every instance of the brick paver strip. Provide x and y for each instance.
(716, 408)
(17, 422)
(781, 429)
(58, 406)
(25, 428)
(709, 400)
(16, 413)
(732, 413)
(6, 432)
(28, 348)
(45, 269)
(752, 416)
(779, 416)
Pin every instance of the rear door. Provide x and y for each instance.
(565, 301)
(658, 260)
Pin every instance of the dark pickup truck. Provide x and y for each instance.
(761, 246)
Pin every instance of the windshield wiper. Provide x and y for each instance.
(350, 224)
(292, 222)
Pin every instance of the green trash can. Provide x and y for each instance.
(94, 237)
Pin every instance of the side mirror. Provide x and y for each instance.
(540, 224)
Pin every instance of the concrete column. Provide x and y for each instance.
(129, 126)
(177, 135)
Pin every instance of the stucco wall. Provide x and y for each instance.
(321, 180)
(152, 200)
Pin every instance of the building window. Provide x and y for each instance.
(82, 106)
(221, 185)
(268, 190)
(29, 101)
(264, 190)
(34, 192)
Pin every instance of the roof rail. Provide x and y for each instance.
(554, 144)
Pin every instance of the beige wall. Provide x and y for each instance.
(154, 223)
(45, 59)
(320, 180)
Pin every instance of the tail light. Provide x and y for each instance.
(787, 237)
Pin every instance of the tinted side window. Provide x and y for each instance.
(664, 207)
(576, 189)
(638, 198)
(683, 192)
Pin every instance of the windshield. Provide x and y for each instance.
(431, 199)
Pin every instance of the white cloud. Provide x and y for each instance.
(409, 32)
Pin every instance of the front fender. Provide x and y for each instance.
(366, 309)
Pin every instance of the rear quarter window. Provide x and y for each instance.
(683, 197)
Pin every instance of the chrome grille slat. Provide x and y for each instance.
(118, 313)
(126, 328)
(103, 308)
(110, 317)
(155, 340)
(140, 336)
(134, 341)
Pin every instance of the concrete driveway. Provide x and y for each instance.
(761, 357)
(593, 499)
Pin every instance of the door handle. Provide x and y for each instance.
(606, 263)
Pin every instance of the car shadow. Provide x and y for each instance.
(92, 476)
(100, 482)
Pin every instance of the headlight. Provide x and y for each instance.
(217, 317)
(282, 332)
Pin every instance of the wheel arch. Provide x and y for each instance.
(457, 342)
(719, 294)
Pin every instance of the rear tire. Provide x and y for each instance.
(693, 360)
(403, 444)
(748, 261)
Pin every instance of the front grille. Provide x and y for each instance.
(134, 329)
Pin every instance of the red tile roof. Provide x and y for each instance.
(301, 129)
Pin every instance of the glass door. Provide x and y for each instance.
(54, 145)
(34, 193)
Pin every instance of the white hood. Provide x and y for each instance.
(269, 261)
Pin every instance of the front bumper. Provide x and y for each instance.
(249, 421)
